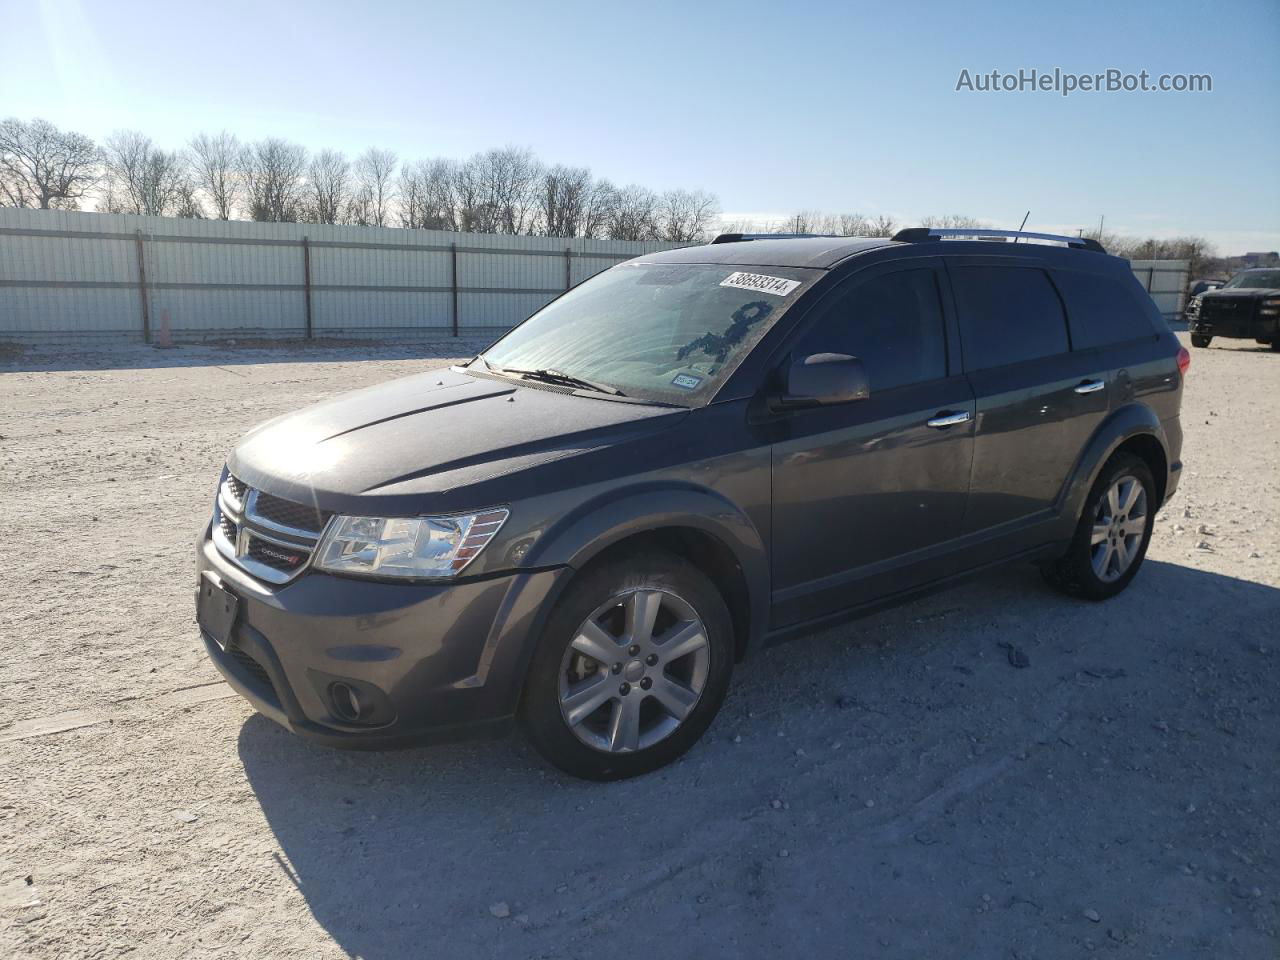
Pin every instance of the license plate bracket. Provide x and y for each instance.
(216, 609)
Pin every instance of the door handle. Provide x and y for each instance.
(1091, 386)
(944, 419)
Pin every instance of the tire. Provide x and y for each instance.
(1200, 340)
(1100, 571)
(1275, 345)
(646, 682)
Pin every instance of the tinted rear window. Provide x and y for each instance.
(1008, 315)
(1102, 310)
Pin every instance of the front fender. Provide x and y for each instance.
(1131, 420)
(597, 524)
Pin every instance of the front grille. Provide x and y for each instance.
(276, 555)
(268, 536)
(234, 490)
(1226, 309)
(300, 516)
(228, 526)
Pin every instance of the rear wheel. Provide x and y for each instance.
(1200, 340)
(1111, 538)
(631, 670)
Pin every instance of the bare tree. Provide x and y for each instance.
(187, 203)
(143, 178)
(426, 195)
(953, 221)
(272, 171)
(506, 180)
(597, 209)
(44, 167)
(685, 216)
(375, 190)
(564, 195)
(328, 186)
(1196, 250)
(882, 226)
(634, 214)
(214, 168)
(475, 213)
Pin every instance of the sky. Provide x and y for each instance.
(773, 107)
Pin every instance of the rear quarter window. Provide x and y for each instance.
(1007, 315)
(1103, 310)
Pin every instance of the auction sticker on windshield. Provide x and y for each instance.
(778, 286)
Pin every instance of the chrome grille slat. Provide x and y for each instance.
(265, 548)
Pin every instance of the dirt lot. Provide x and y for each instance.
(892, 788)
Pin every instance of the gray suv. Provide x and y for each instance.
(688, 457)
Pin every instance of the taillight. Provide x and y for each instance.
(1184, 360)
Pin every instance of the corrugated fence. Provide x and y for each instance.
(1166, 281)
(122, 276)
(119, 275)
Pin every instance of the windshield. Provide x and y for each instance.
(1254, 280)
(655, 331)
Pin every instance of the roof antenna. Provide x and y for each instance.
(1022, 224)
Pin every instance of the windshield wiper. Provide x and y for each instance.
(558, 378)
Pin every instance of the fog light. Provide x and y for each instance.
(346, 702)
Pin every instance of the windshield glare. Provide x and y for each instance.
(656, 331)
(1254, 280)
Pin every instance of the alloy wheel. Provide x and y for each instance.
(634, 671)
(1118, 528)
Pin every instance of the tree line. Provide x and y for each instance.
(503, 190)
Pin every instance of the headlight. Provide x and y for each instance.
(406, 546)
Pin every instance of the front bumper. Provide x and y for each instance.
(1260, 327)
(437, 662)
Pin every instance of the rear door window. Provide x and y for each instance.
(1102, 310)
(892, 323)
(1008, 315)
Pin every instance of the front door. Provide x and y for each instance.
(864, 492)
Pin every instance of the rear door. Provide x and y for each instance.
(861, 490)
(1038, 401)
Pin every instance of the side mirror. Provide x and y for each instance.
(823, 379)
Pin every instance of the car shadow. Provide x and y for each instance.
(483, 850)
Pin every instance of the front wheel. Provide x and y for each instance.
(1111, 538)
(631, 669)
(1200, 340)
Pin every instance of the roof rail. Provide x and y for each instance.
(739, 237)
(923, 234)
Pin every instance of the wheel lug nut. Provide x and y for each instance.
(634, 650)
(646, 683)
(651, 659)
(616, 668)
(624, 688)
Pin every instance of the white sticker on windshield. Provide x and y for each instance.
(778, 286)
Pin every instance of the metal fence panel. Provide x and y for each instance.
(1166, 281)
(70, 273)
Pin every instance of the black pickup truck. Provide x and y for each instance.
(1246, 307)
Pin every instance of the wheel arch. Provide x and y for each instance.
(714, 534)
(1133, 428)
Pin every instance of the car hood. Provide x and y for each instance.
(1241, 293)
(432, 433)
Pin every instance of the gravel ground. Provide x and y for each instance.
(891, 788)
